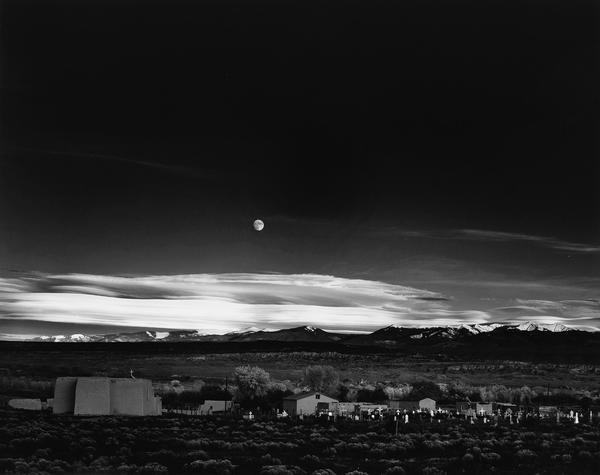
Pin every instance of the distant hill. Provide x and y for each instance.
(522, 342)
(305, 333)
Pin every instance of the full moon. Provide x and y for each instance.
(258, 224)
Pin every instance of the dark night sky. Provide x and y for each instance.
(144, 137)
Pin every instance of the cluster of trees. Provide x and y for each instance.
(25, 387)
(253, 388)
(194, 398)
(500, 393)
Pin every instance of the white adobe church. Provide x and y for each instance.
(99, 396)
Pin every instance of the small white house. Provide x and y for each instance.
(211, 406)
(305, 404)
(485, 408)
(427, 404)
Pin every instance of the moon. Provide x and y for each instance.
(258, 225)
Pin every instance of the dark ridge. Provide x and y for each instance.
(500, 344)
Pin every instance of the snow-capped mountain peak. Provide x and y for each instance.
(247, 330)
(309, 333)
(74, 338)
(158, 335)
(532, 326)
(78, 337)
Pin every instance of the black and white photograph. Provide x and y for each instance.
(300, 237)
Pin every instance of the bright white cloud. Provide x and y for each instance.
(221, 303)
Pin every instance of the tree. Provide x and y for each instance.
(321, 378)
(341, 393)
(523, 395)
(377, 396)
(214, 392)
(496, 393)
(423, 389)
(251, 381)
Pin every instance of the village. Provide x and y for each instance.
(105, 396)
(253, 425)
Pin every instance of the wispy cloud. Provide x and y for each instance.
(546, 241)
(582, 314)
(154, 163)
(490, 236)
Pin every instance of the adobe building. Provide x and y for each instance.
(305, 404)
(64, 395)
(99, 396)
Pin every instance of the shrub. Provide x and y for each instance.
(397, 470)
(153, 468)
(323, 471)
(281, 470)
(433, 471)
(526, 455)
(211, 467)
(126, 468)
(21, 466)
(196, 455)
(6, 464)
(163, 457)
(490, 457)
(310, 461)
(268, 459)
(329, 452)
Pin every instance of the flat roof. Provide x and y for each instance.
(107, 378)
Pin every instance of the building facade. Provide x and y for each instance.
(306, 403)
(99, 396)
(427, 404)
(211, 406)
(485, 408)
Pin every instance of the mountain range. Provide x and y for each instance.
(388, 336)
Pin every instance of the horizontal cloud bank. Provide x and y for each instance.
(221, 303)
